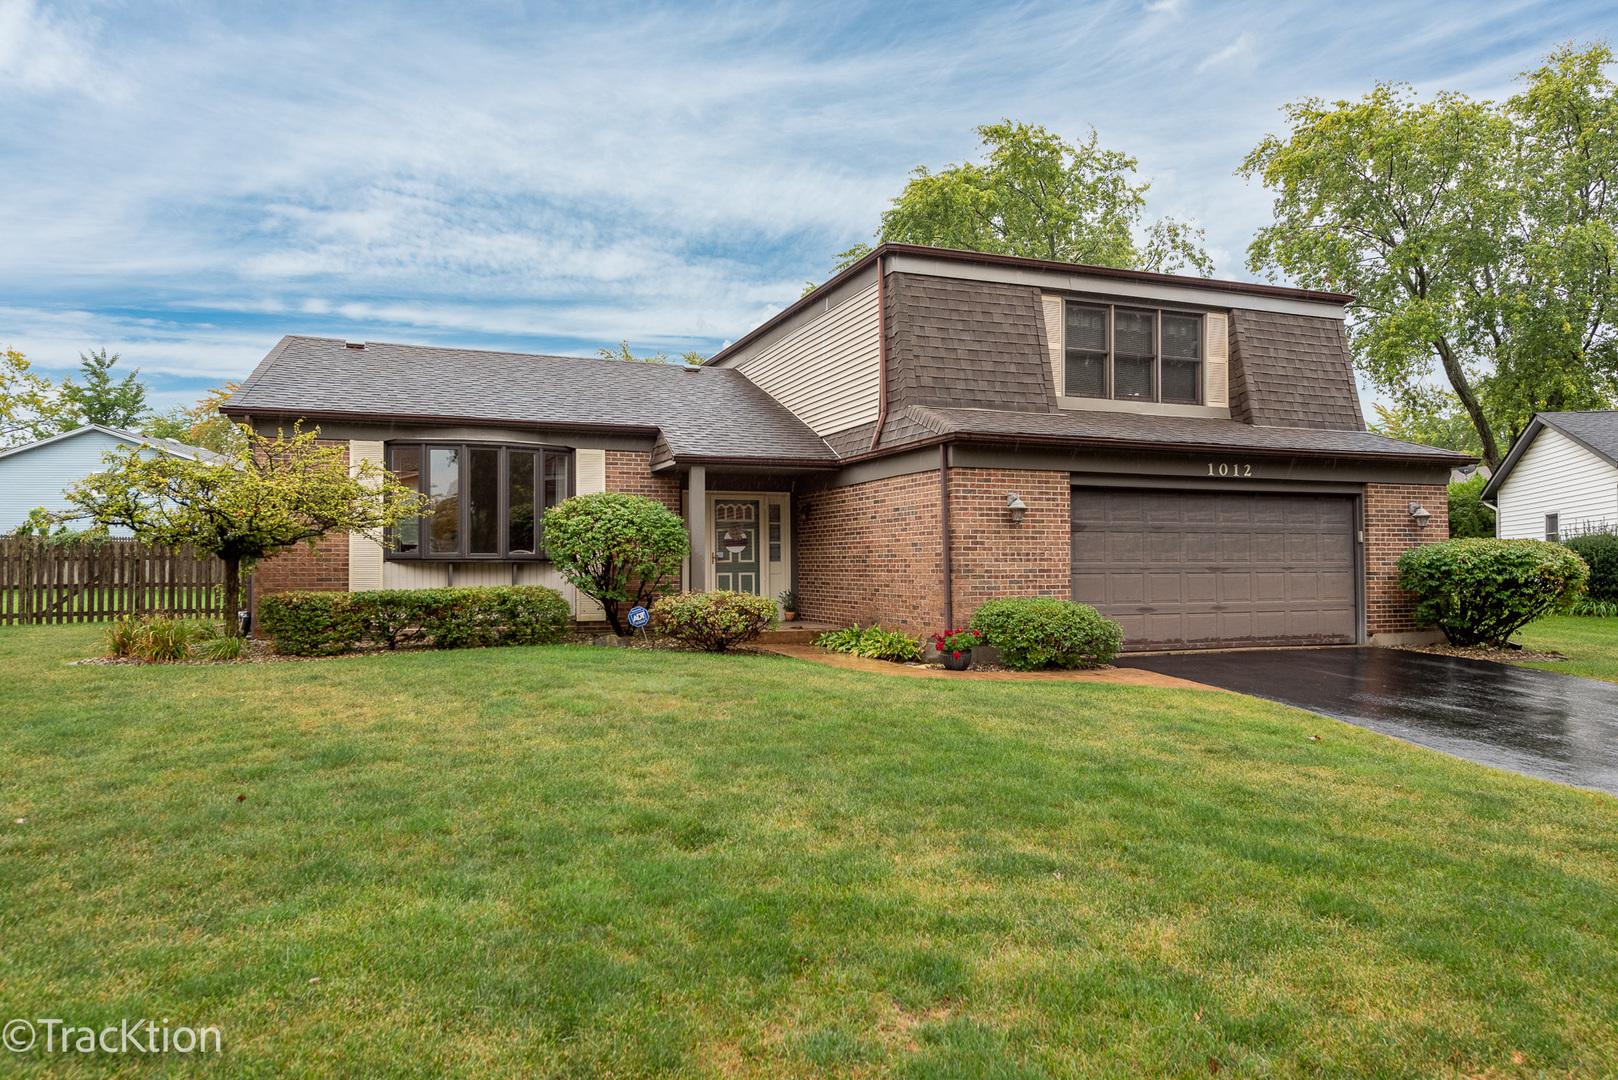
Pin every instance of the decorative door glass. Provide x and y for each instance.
(736, 562)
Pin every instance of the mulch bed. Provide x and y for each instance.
(263, 652)
(1485, 652)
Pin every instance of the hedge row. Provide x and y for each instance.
(327, 623)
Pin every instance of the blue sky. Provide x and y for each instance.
(185, 182)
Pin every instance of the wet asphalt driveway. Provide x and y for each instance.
(1538, 723)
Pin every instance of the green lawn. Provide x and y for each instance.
(1590, 644)
(597, 862)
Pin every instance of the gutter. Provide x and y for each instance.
(1149, 446)
(403, 419)
(882, 374)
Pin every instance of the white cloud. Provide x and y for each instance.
(552, 178)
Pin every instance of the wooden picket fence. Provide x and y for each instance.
(91, 581)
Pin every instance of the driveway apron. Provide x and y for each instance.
(1537, 723)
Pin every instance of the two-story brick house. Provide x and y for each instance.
(926, 431)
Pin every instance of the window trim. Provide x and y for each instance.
(1108, 376)
(464, 506)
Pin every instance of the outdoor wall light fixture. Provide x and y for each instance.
(1017, 507)
(1419, 512)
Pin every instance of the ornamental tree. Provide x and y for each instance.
(617, 549)
(259, 498)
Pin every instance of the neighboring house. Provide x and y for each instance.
(1560, 479)
(36, 474)
(928, 430)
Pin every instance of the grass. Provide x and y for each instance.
(1591, 645)
(600, 862)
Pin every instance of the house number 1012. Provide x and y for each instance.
(1226, 469)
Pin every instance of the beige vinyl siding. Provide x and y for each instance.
(1556, 476)
(1217, 367)
(590, 476)
(428, 574)
(364, 554)
(825, 372)
(590, 471)
(1052, 308)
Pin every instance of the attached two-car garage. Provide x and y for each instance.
(1193, 569)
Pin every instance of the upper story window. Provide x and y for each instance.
(1132, 354)
(488, 501)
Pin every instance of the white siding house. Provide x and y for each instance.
(1560, 479)
(36, 474)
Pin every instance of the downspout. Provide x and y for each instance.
(943, 530)
(881, 358)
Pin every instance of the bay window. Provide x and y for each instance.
(1132, 354)
(486, 501)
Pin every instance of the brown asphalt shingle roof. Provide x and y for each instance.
(711, 413)
(715, 414)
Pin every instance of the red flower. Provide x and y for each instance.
(957, 656)
(977, 633)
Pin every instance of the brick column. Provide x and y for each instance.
(1390, 531)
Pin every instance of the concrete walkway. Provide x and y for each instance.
(1117, 676)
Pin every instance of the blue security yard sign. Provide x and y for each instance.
(639, 616)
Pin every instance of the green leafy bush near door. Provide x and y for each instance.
(713, 621)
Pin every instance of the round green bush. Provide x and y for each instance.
(622, 550)
(713, 621)
(1480, 591)
(1032, 632)
(1600, 551)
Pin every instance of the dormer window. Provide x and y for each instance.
(1132, 354)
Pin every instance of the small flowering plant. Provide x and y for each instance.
(956, 642)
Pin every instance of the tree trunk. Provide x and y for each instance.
(1469, 401)
(233, 594)
(611, 608)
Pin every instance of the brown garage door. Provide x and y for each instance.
(1183, 568)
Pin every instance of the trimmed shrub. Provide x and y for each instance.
(622, 550)
(310, 623)
(501, 615)
(1468, 517)
(1600, 551)
(713, 621)
(324, 623)
(873, 643)
(393, 617)
(1041, 631)
(1482, 591)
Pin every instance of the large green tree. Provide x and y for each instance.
(1478, 239)
(1039, 196)
(101, 398)
(264, 497)
(29, 406)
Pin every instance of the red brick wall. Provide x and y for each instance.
(324, 569)
(631, 471)
(992, 557)
(870, 553)
(1390, 531)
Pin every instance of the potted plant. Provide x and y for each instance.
(789, 605)
(955, 648)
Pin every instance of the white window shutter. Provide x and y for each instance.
(590, 471)
(1218, 363)
(1053, 337)
(364, 553)
(589, 476)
